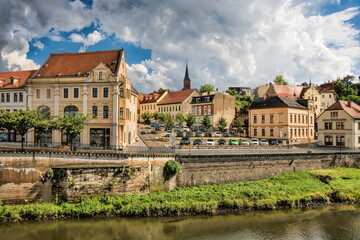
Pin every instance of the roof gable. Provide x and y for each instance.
(278, 102)
(349, 107)
(176, 97)
(284, 91)
(79, 64)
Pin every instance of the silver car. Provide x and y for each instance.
(244, 142)
(255, 141)
(264, 142)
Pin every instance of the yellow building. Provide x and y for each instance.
(148, 102)
(92, 83)
(339, 125)
(323, 96)
(282, 118)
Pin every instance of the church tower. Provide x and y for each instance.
(187, 81)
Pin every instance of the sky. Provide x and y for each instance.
(229, 43)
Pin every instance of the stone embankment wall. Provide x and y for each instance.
(47, 176)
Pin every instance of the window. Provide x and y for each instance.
(38, 93)
(358, 139)
(323, 96)
(328, 125)
(263, 132)
(271, 132)
(7, 97)
(65, 93)
(199, 110)
(311, 120)
(72, 110)
(263, 119)
(94, 111)
(95, 92)
(299, 119)
(271, 118)
(280, 118)
(339, 125)
(15, 97)
(340, 141)
(20, 97)
(291, 118)
(328, 140)
(101, 77)
(255, 119)
(255, 132)
(291, 132)
(121, 113)
(105, 92)
(121, 92)
(329, 95)
(76, 92)
(303, 119)
(195, 110)
(3, 97)
(205, 110)
(48, 93)
(358, 125)
(209, 110)
(334, 114)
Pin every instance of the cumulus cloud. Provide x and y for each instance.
(90, 39)
(39, 45)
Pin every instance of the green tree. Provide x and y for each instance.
(146, 117)
(168, 120)
(20, 121)
(190, 120)
(164, 90)
(45, 127)
(305, 84)
(232, 92)
(237, 124)
(279, 79)
(206, 88)
(222, 124)
(72, 125)
(206, 123)
(155, 116)
(180, 118)
(162, 117)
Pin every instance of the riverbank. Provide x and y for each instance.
(340, 185)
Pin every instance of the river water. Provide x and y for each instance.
(335, 222)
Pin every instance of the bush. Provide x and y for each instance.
(171, 168)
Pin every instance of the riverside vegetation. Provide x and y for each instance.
(286, 190)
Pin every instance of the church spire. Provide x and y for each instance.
(187, 81)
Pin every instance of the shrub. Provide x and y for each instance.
(171, 168)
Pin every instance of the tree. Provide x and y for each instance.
(20, 121)
(190, 120)
(305, 84)
(45, 127)
(232, 92)
(180, 118)
(146, 117)
(164, 90)
(72, 125)
(237, 124)
(206, 88)
(206, 122)
(222, 124)
(279, 79)
(155, 116)
(168, 120)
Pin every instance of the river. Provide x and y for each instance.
(334, 222)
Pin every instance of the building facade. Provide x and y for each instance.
(282, 118)
(148, 103)
(215, 105)
(13, 98)
(339, 125)
(243, 91)
(92, 83)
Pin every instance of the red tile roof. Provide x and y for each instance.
(286, 90)
(350, 107)
(176, 97)
(22, 77)
(133, 89)
(151, 97)
(74, 64)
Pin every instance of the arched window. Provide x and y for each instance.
(44, 110)
(106, 112)
(72, 110)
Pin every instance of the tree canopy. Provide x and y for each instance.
(72, 125)
(190, 120)
(279, 79)
(222, 124)
(346, 90)
(164, 90)
(206, 88)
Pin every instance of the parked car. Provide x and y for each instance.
(264, 142)
(177, 128)
(199, 134)
(227, 134)
(197, 142)
(210, 142)
(167, 134)
(244, 142)
(142, 132)
(186, 129)
(153, 124)
(161, 124)
(179, 134)
(233, 142)
(255, 141)
(218, 134)
(185, 141)
(222, 142)
(273, 141)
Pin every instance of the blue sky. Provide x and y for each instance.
(238, 44)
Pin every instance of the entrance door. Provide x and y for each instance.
(100, 137)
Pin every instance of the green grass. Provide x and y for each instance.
(285, 190)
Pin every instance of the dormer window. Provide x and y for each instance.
(13, 80)
(101, 76)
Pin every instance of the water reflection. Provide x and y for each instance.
(338, 222)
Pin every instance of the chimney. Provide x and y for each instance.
(350, 104)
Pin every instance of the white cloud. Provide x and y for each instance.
(39, 45)
(90, 39)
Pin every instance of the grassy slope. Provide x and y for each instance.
(290, 190)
